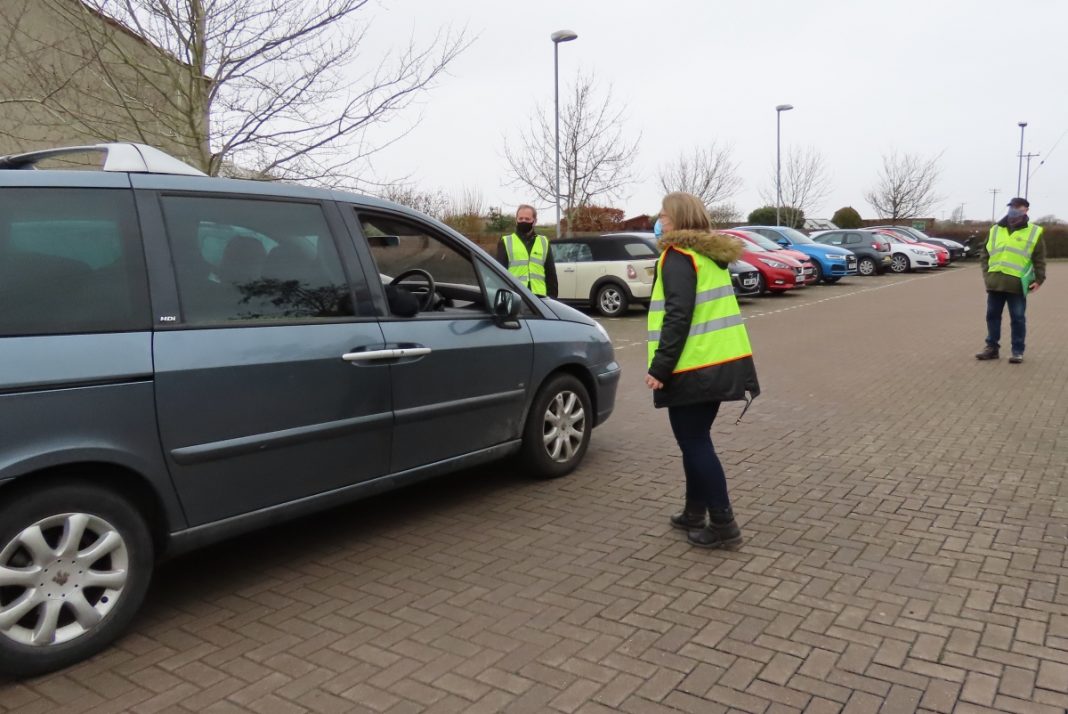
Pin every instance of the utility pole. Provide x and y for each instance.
(1027, 180)
(994, 204)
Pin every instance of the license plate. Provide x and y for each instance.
(749, 282)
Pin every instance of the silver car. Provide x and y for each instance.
(187, 358)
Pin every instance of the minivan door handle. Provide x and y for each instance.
(377, 355)
(369, 355)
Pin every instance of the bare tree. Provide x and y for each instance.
(725, 213)
(433, 203)
(906, 187)
(277, 86)
(596, 159)
(709, 172)
(805, 183)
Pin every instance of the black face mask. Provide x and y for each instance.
(524, 229)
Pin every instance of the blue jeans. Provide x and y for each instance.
(995, 305)
(705, 480)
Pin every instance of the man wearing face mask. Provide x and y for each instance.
(1014, 264)
(527, 256)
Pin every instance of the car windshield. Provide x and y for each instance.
(766, 244)
(917, 233)
(795, 235)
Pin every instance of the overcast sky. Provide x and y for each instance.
(952, 76)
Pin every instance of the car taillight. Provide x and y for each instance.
(632, 273)
(875, 246)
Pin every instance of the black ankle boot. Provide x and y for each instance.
(693, 516)
(722, 530)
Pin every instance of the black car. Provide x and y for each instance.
(872, 250)
(745, 278)
(957, 251)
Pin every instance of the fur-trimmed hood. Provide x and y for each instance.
(720, 247)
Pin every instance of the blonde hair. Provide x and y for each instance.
(527, 205)
(686, 212)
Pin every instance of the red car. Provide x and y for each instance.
(778, 272)
(760, 243)
(941, 253)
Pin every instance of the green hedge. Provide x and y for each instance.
(974, 235)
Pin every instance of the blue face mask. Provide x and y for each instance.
(658, 230)
(1015, 213)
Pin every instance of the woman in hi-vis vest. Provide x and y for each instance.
(699, 356)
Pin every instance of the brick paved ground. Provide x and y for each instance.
(904, 508)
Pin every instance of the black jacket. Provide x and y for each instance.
(719, 383)
(551, 285)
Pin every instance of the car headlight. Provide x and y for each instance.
(833, 256)
(773, 263)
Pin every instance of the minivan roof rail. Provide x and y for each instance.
(120, 157)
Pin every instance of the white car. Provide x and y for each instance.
(609, 272)
(908, 257)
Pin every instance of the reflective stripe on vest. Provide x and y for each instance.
(529, 268)
(1010, 254)
(717, 331)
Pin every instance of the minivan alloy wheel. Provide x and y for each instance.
(59, 578)
(564, 427)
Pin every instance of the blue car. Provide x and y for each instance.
(831, 262)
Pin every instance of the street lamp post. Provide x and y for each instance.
(1019, 170)
(778, 158)
(558, 37)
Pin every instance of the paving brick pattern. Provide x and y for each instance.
(905, 518)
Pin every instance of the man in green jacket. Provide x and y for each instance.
(1014, 264)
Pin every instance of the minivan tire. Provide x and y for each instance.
(557, 433)
(611, 300)
(121, 574)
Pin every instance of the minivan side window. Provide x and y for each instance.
(252, 260)
(399, 245)
(70, 262)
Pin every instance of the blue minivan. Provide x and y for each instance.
(831, 262)
(186, 358)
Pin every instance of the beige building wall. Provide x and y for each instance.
(69, 76)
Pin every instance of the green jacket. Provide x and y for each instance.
(1002, 283)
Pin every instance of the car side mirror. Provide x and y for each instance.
(783, 242)
(506, 309)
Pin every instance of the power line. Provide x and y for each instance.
(1043, 161)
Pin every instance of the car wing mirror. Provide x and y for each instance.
(506, 306)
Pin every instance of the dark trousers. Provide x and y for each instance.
(705, 480)
(995, 305)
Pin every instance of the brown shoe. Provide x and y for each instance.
(988, 352)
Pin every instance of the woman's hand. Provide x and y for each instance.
(653, 383)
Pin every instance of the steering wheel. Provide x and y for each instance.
(427, 300)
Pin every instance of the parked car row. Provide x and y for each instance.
(613, 271)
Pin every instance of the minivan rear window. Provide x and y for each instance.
(70, 262)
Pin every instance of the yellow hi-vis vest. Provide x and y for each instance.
(1010, 251)
(717, 333)
(528, 267)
